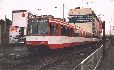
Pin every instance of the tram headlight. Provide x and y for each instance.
(28, 43)
(42, 43)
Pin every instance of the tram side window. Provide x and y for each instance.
(72, 32)
(29, 29)
(76, 34)
(57, 29)
(64, 31)
(34, 29)
(37, 28)
(51, 29)
(68, 32)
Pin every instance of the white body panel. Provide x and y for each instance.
(95, 39)
(55, 39)
(88, 39)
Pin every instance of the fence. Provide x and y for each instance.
(92, 61)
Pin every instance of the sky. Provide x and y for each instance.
(103, 8)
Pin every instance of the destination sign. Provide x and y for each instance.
(42, 20)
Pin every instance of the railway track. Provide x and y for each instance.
(70, 61)
(62, 59)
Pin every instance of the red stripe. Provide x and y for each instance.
(75, 44)
(52, 46)
(37, 42)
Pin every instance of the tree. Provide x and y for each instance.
(8, 22)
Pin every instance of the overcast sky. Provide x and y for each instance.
(103, 7)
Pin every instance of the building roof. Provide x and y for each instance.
(80, 11)
(17, 11)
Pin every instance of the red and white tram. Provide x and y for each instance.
(53, 33)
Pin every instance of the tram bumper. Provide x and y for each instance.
(36, 43)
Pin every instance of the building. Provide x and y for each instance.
(84, 18)
(19, 20)
(4, 31)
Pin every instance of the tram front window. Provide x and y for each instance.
(38, 27)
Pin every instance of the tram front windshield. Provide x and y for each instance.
(38, 27)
